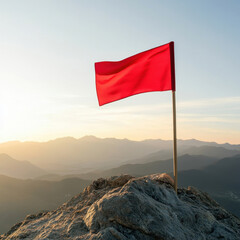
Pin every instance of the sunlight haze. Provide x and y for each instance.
(48, 50)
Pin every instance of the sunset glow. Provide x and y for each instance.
(47, 74)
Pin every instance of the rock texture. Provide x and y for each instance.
(132, 208)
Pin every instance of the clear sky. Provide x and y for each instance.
(47, 54)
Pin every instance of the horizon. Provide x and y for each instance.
(99, 137)
(48, 81)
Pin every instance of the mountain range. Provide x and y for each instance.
(221, 180)
(209, 151)
(72, 156)
(21, 197)
(28, 188)
(76, 155)
(18, 169)
(185, 162)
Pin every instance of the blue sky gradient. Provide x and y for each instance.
(48, 50)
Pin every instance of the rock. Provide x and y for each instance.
(132, 208)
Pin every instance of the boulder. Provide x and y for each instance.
(125, 207)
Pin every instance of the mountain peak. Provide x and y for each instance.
(125, 207)
(88, 138)
(18, 169)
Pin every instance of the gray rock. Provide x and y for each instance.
(132, 208)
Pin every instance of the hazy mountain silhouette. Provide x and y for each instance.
(224, 174)
(209, 151)
(185, 162)
(190, 142)
(221, 180)
(18, 169)
(57, 177)
(21, 197)
(69, 155)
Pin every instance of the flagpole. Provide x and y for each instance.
(174, 141)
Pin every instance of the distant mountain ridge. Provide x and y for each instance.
(69, 155)
(220, 179)
(21, 197)
(223, 174)
(185, 162)
(209, 151)
(18, 169)
(193, 142)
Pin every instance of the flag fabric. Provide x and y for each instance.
(148, 71)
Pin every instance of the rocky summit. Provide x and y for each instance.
(125, 207)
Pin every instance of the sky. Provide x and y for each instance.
(47, 54)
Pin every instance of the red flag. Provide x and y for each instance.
(149, 71)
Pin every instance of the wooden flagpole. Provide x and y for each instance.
(174, 141)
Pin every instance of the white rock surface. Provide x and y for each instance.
(132, 208)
